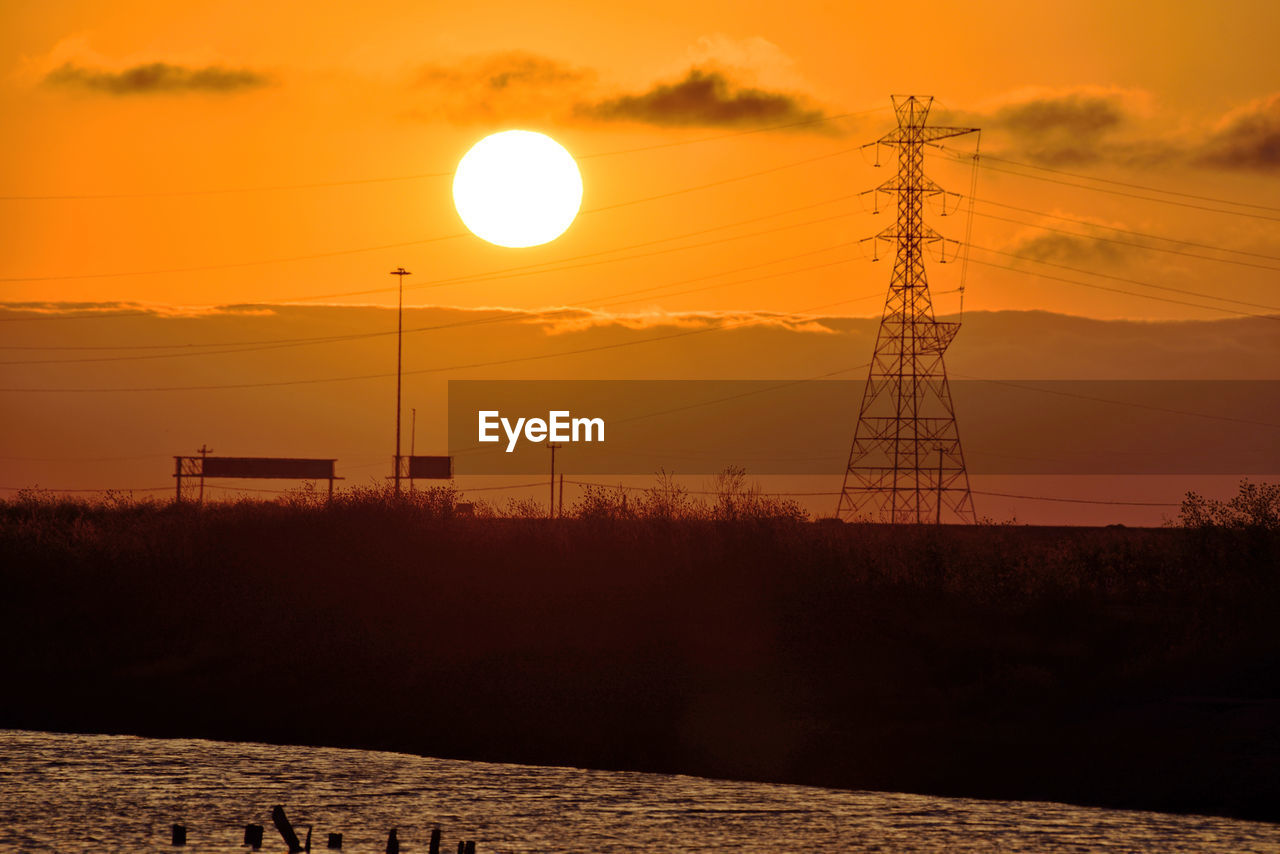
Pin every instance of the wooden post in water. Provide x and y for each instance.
(286, 829)
(471, 847)
(335, 841)
(462, 847)
(253, 836)
(393, 842)
(179, 835)
(435, 841)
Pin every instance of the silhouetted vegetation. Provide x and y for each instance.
(1256, 506)
(722, 635)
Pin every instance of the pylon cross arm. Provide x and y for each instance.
(928, 133)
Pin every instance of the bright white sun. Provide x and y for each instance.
(517, 188)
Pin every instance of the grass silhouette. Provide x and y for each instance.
(729, 637)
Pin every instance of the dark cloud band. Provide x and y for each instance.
(156, 78)
(706, 98)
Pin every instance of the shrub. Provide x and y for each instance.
(1255, 506)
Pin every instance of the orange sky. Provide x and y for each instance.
(1132, 92)
(251, 153)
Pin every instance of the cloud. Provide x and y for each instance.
(129, 309)
(156, 78)
(753, 60)
(1092, 243)
(703, 97)
(522, 85)
(1068, 126)
(1247, 138)
(568, 320)
(506, 85)
(498, 72)
(1068, 249)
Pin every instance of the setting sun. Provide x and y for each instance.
(517, 188)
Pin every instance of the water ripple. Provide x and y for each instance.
(82, 793)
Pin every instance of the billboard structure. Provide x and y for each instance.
(430, 468)
(411, 467)
(261, 468)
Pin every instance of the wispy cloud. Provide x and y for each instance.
(496, 86)
(106, 309)
(499, 72)
(580, 320)
(156, 78)
(1068, 249)
(1247, 138)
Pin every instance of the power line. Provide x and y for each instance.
(1134, 282)
(402, 244)
(85, 459)
(1120, 183)
(107, 489)
(1102, 239)
(595, 483)
(559, 267)
(762, 494)
(361, 377)
(162, 194)
(789, 126)
(1129, 403)
(1080, 500)
(1063, 279)
(521, 269)
(724, 181)
(785, 384)
(276, 344)
(958, 157)
(1129, 231)
(419, 175)
(231, 265)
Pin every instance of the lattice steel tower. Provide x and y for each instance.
(906, 464)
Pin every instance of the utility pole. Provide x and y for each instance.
(907, 409)
(551, 504)
(399, 273)
(413, 441)
(560, 508)
(204, 451)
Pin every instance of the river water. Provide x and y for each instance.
(82, 793)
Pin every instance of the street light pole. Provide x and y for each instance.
(399, 273)
(551, 505)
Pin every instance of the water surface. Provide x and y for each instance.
(82, 793)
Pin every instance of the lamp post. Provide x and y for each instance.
(399, 273)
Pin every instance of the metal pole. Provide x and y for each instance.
(413, 441)
(551, 504)
(204, 450)
(399, 273)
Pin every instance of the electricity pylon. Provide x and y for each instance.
(906, 464)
